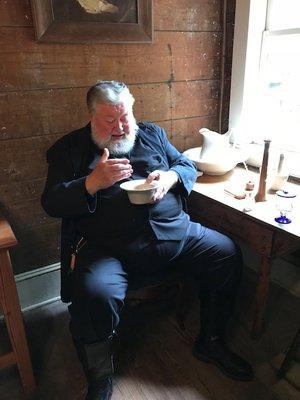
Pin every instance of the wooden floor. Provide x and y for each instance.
(156, 361)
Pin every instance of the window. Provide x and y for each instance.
(265, 93)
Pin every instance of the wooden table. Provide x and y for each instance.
(213, 207)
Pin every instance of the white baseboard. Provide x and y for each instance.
(38, 287)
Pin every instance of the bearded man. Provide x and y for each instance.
(109, 243)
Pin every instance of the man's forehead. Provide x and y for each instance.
(112, 108)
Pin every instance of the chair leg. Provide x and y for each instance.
(13, 317)
(289, 356)
(183, 302)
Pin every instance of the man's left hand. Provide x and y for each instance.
(165, 179)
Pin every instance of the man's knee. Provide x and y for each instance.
(90, 288)
(228, 248)
(95, 308)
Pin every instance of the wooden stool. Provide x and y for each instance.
(10, 305)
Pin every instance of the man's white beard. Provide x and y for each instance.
(123, 146)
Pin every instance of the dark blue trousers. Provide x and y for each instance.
(103, 274)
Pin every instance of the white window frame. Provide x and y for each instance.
(250, 25)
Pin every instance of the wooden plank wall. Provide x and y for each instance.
(175, 80)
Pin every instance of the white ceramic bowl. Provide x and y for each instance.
(139, 191)
(216, 167)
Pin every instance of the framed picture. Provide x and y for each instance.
(93, 21)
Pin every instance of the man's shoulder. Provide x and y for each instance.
(74, 138)
(149, 127)
(151, 131)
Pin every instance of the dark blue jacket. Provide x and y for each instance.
(65, 195)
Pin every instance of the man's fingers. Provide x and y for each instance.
(105, 155)
(121, 175)
(120, 167)
(112, 161)
(154, 175)
(114, 167)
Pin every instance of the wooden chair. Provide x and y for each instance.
(162, 290)
(10, 305)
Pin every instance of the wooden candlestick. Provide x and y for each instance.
(261, 194)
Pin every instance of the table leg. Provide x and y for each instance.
(261, 296)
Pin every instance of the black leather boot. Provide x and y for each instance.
(210, 345)
(97, 363)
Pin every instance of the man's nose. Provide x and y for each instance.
(119, 126)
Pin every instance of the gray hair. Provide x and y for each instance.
(108, 92)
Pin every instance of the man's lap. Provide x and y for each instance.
(200, 249)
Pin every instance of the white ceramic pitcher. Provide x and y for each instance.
(217, 155)
(214, 145)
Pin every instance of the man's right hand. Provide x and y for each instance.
(107, 172)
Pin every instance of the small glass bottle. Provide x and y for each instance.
(249, 199)
(281, 175)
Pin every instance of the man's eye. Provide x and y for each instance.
(110, 121)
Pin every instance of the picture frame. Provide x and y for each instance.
(65, 21)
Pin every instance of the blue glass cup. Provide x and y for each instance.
(284, 204)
